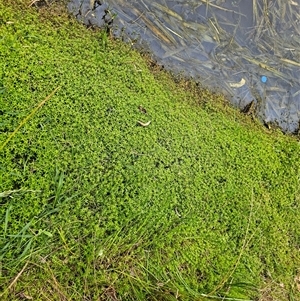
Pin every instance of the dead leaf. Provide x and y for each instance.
(111, 293)
(25, 296)
(142, 109)
(144, 124)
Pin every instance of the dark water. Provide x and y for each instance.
(248, 50)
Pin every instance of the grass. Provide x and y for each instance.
(201, 204)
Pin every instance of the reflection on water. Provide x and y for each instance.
(248, 50)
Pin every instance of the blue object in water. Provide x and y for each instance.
(264, 79)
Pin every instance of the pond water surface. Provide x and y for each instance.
(248, 50)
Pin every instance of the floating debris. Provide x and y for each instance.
(264, 79)
(239, 84)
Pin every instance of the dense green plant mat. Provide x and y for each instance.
(200, 203)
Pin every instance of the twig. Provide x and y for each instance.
(15, 280)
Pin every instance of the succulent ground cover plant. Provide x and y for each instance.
(201, 203)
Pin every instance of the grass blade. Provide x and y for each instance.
(27, 118)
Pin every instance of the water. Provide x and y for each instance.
(247, 50)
